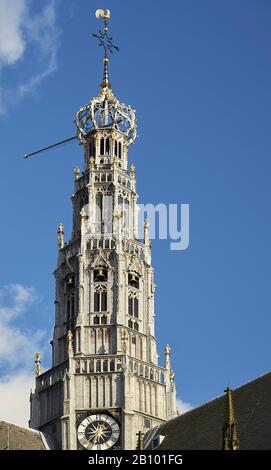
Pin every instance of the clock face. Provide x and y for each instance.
(98, 432)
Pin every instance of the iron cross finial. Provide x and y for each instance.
(104, 39)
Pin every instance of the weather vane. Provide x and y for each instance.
(105, 41)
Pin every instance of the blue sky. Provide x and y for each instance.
(199, 75)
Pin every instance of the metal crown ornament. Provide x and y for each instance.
(105, 111)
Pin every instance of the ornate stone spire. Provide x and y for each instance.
(38, 364)
(167, 356)
(230, 434)
(125, 339)
(70, 345)
(60, 234)
(146, 232)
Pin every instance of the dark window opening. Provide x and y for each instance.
(104, 320)
(107, 146)
(133, 280)
(70, 282)
(100, 275)
(96, 320)
(130, 310)
(102, 147)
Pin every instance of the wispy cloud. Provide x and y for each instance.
(25, 31)
(12, 42)
(183, 407)
(14, 398)
(18, 345)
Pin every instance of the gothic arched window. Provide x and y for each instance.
(130, 324)
(104, 320)
(96, 320)
(133, 304)
(116, 148)
(100, 299)
(70, 306)
(104, 204)
(119, 150)
(125, 210)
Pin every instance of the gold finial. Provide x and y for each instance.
(60, 233)
(230, 433)
(38, 366)
(91, 163)
(106, 42)
(171, 376)
(76, 172)
(132, 170)
(140, 441)
(125, 338)
(70, 345)
(104, 14)
(167, 356)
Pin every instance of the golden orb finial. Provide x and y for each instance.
(132, 170)
(76, 172)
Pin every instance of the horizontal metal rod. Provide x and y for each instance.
(27, 155)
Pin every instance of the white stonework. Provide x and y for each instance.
(105, 297)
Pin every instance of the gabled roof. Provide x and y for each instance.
(16, 438)
(202, 427)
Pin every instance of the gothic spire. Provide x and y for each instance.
(230, 434)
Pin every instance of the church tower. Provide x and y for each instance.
(105, 384)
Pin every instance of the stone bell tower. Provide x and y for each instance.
(105, 384)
